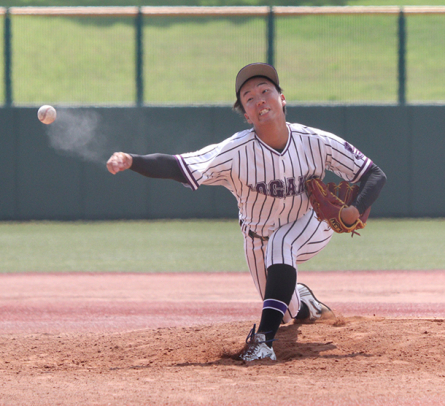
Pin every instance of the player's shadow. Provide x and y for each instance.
(287, 348)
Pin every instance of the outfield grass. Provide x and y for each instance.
(204, 246)
(338, 58)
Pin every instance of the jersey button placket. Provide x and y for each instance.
(281, 201)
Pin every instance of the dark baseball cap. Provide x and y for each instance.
(255, 69)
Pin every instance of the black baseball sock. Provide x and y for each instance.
(303, 314)
(280, 285)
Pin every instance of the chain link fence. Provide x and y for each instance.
(190, 55)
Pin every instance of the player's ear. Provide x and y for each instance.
(247, 118)
(283, 99)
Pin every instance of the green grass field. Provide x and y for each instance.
(194, 60)
(204, 246)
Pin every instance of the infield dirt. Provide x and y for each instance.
(173, 339)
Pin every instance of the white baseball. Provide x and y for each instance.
(47, 114)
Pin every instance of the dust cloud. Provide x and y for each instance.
(75, 133)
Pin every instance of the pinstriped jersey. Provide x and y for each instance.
(268, 184)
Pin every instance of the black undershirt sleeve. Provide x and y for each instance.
(160, 166)
(371, 183)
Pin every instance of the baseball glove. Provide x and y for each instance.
(328, 201)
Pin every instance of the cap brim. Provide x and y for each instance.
(255, 69)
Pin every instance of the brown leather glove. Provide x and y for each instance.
(329, 200)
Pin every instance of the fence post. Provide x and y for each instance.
(402, 58)
(271, 37)
(8, 59)
(139, 60)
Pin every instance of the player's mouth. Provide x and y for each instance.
(263, 112)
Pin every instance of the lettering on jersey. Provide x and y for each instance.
(276, 188)
(260, 188)
(279, 188)
(353, 150)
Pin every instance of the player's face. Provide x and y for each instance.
(261, 101)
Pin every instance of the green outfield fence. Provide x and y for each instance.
(190, 55)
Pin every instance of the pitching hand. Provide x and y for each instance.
(119, 161)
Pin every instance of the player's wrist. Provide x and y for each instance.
(130, 160)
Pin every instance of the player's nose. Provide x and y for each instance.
(260, 101)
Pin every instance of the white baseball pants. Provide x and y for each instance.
(291, 244)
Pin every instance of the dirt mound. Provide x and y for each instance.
(346, 361)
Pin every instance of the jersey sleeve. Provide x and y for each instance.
(344, 159)
(211, 165)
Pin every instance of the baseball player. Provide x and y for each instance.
(265, 168)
